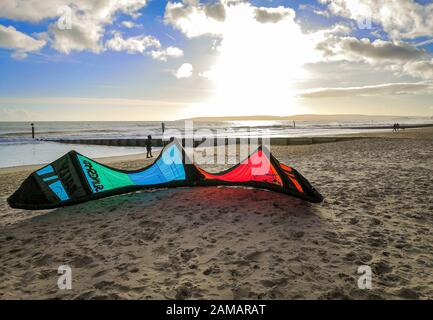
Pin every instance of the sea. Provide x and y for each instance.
(17, 148)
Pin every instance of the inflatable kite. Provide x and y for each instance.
(75, 178)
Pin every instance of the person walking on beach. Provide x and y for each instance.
(149, 147)
(33, 130)
(394, 127)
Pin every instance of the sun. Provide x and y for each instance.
(257, 66)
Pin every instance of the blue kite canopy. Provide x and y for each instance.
(75, 178)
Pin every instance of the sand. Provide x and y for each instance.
(237, 243)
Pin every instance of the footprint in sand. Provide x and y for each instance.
(240, 291)
(188, 290)
(408, 293)
(253, 256)
(110, 285)
(381, 267)
(187, 254)
(212, 270)
(269, 283)
(81, 261)
(45, 260)
(99, 274)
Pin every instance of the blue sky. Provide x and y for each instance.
(158, 60)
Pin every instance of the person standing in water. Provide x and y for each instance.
(33, 130)
(149, 147)
(163, 127)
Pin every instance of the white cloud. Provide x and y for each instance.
(19, 55)
(273, 15)
(420, 69)
(132, 45)
(351, 48)
(129, 24)
(143, 44)
(12, 39)
(257, 61)
(184, 71)
(84, 35)
(398, 57)
(100, 11)
(194, 19)
(373, 90)
(88, 25)
(216, 11)
(337, 29)
(400, 19)
(169, 52)
(89, 19)
(314, 9)
(33, 10)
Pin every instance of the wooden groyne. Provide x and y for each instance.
(280, 141)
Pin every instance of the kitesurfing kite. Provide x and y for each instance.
(75, 178)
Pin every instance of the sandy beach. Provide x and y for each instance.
(237, 243)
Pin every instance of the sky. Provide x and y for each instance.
(78, 60)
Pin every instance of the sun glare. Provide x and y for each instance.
(257, 67)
